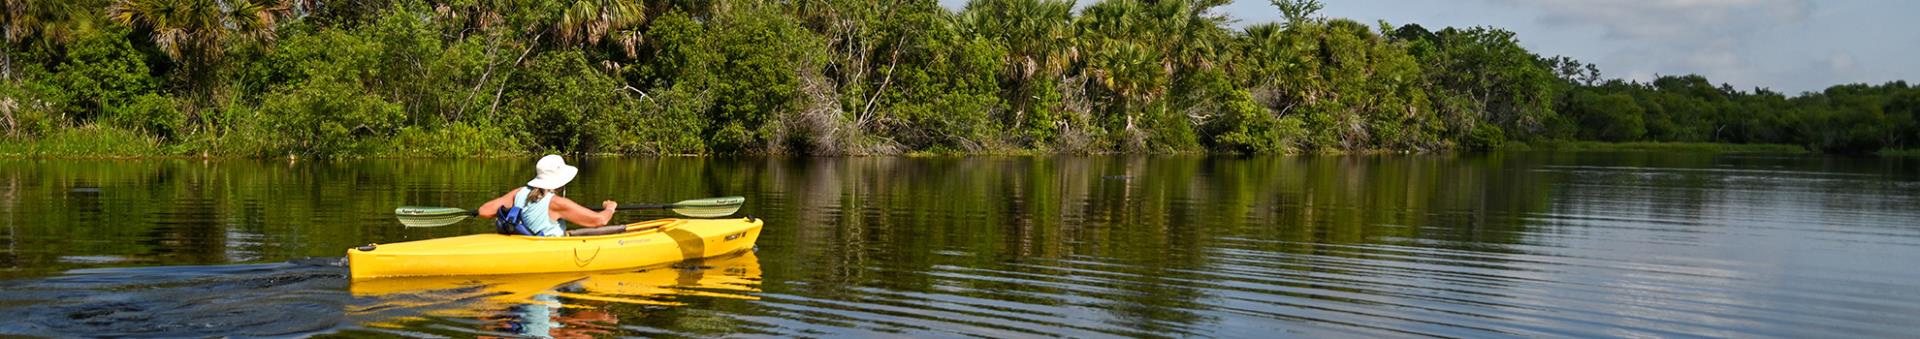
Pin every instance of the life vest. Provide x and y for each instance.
(508, 221)
(527, 217)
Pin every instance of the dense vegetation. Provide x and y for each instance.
(468, 77)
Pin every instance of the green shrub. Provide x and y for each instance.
(1905, 152)
(559, 103)
(1643, 146)
(453, 140)
(325, 115)
(762, 52)
(28, 108)
(157, 115)
(103, 73)
(1246, 127)
(1485, 137)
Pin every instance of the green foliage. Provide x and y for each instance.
(325, 114)
(1249, 128)
(453, 140)
(87, 141)
(1648, 146)
(561, 103)
(1904, 152)
(1842, 119)
(832, 77)
(1351, 87)
(747, 64)
(1485, 137)
(763, 52)
(1034, 42)
(1298, 11)
(1610, 117)
(156, 114)
(1482, 74)
(103, 73)
(950, 103)
(30, 107)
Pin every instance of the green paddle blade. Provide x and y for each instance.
(423, 211)
(419, 216)
(709, 207)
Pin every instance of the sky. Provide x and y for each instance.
(1788, 46)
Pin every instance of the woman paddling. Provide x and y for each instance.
(541, 208)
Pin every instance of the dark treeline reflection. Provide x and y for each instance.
(900, 211)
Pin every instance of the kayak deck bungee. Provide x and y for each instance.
(645, 243)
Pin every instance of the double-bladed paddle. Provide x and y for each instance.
(421, 216)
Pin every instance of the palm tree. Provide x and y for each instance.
(180, 28)
(197, 32)
(18, 24)
(256, 20)
(588, 22)
(1298, 11)
(1039, 35)
(23, 22)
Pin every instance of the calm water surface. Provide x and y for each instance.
(1516, 244)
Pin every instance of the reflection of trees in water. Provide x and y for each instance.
(837, 224)
(1155, 219)
(199, 211)
(9, 203)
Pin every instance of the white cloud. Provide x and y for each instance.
(1841, 63)
(1712, 37)
(1786, 45)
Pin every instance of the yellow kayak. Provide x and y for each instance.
(402, 300)
(735, 276)
(644, 244)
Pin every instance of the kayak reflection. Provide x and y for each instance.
(558, 304)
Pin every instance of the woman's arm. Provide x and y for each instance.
(492, 206)
(580, 215)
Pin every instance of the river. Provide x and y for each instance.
(1506, 244)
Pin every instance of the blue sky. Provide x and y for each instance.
(1786, 45)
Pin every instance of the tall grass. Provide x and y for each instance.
(90, 141)
(1903, 152)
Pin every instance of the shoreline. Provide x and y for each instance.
(1649, 146)
(16, 149)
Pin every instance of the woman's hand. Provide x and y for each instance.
(608, 205)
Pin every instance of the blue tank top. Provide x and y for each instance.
(534, 214)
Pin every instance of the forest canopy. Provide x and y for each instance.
(834, 77)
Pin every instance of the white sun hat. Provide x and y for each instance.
(552, 172)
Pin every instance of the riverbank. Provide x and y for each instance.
(102, 142)
(112, 143)
(1677, 147)
(84, 142)
(1907, 152)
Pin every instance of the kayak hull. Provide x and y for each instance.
(644, 244)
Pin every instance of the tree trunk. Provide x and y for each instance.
(509, 78)
(491, 52)
(6, 113)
